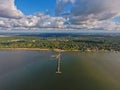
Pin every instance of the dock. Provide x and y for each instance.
(59, 63)
(58, 57)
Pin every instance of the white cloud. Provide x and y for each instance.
(9, 10)
(11, 17)
(44, 21)
(99, 25)
(109, 25)
(88, 12)
(84, 14)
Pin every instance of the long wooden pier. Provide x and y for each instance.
(58, 57)
(59, 63)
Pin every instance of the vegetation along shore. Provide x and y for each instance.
(64, 43)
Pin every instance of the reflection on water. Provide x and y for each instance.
(31, 70)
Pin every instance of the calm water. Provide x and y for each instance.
(35, 70)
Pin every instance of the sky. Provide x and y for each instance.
(62, 14)
(29, 7)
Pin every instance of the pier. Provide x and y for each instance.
(58, 57)
(59, 63)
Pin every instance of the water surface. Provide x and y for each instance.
(35, 70)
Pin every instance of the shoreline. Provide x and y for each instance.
(34, 49)
(56, 50)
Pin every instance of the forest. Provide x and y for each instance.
(71, 43)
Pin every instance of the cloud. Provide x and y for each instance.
(38, 21)
(83, 11)
(9, 10)
(98, 25)
(81, 14)
(109, 25)
(48, 21)
(11, 17)
(61, 4)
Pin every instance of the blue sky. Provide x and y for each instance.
(29, 7)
